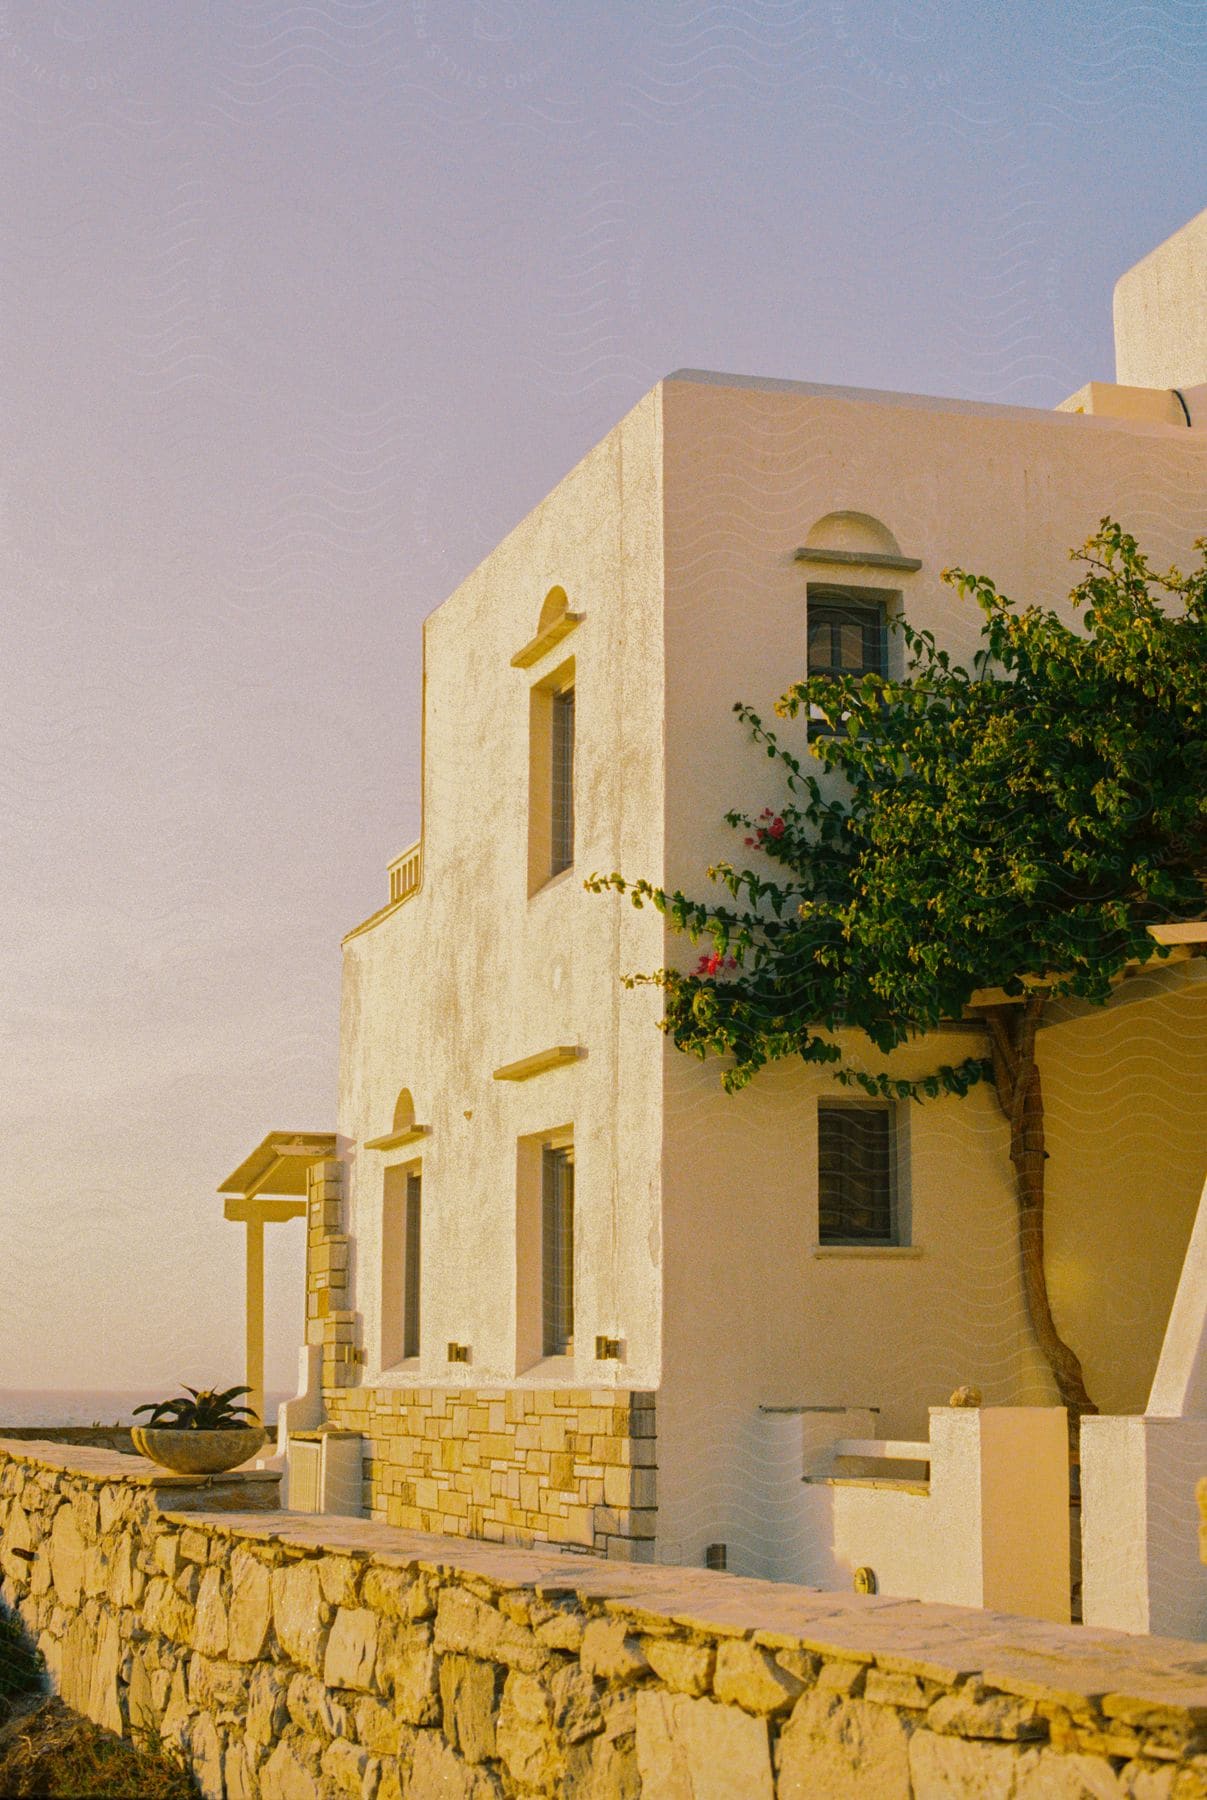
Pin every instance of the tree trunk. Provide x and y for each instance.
(1020, 1095)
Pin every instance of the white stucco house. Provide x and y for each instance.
(560, 1286)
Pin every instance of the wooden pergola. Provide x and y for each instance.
(267, 1187)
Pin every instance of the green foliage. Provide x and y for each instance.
(1016, 826)
(204, 1411)
(21, 1670)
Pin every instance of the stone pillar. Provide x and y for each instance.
(330, 1321)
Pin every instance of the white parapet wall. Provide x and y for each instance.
(1161, 313)
(1139, 1520)
(989, 1526)
(1139, 1524)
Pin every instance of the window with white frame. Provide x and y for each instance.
(847, 632)
(857, 1185)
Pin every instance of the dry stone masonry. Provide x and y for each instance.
(303, 1658)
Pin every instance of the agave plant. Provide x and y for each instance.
(205, 1410)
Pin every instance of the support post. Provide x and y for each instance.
(254, 1376)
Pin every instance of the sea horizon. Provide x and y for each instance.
(23, 1407)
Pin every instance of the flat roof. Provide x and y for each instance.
(820, 390)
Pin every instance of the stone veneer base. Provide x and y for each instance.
(516, 1466)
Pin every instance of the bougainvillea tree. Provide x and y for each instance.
(963, 844)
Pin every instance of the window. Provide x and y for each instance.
(401, 1261)
(557, 1250)
(856, 1174)
(544, 1249)
(551, 777)
(410, 1292)
(848, 635)
(562, 781)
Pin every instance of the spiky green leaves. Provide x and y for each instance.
(200, 1409)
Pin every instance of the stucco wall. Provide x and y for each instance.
(1161, 313)
(751, 1315)
(756, 1317)
(1125, 1093)
(696, 1213)
(472, 974)
(299, 1657)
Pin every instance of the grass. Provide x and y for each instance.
(48, 1752)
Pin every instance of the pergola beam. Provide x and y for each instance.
(268, 1186)
(271, 1211)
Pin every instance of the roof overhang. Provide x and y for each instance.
(276, 1167)
(1187, 931)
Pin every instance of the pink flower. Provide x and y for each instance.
(777, 828)
(709, 964)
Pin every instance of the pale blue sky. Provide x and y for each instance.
(304, 306)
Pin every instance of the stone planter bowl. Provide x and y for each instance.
(198, 1452)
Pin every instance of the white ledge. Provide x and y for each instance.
(1187, 931)
(905, 1251)
(395, 1140)
(545, 640)
(855, 559)
(553, 1058)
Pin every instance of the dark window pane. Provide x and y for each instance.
(410, 1313)
(855, 1174)
(846, 637)
(557, 1247)
(562, 848)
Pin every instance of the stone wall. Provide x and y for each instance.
(511, 1466)
(330, 1321)
(98, 1437)
(301, 1658)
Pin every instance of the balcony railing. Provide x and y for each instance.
(406, 872)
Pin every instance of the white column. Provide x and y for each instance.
(254, 1303)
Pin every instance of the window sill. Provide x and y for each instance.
(891, 1251)
(399, 1374)
(552, 1371)
(552, 881)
